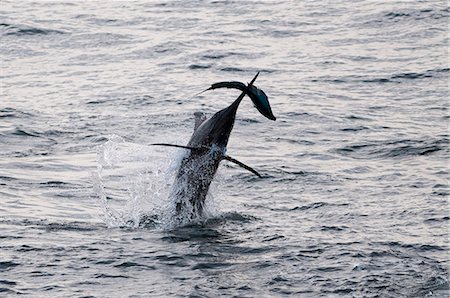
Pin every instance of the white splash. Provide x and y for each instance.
(134, 182)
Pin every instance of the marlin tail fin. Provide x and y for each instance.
(258, 97)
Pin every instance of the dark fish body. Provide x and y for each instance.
(199, 166)
(207, 148)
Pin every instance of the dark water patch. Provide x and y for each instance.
(376, 80)
(54, 226)
(310, 252)
(11, 237)
(81, 227)
(105, 262)
(51, 287)
(394, 78)
(89, 283)
(172, 260)
(232, 69)
(286, 170)
(399, 77)
(279, 280)
(329, 80)
(229, 217)
(134, 265)
(407, 17)
(292, 114)
(94, 139)
(169, 258)
(104, 275)
(7, 282)
(437, 219)
(358, 118)
(381, 253)
(333, 228)
(144, 100)
(378, 108)
(201, 255)
(6, 265)
(210, 265)
(220, 55)
(28, 248)
(24, 133)
(6, 291)
(314, 205)
(360, 58)
(31, 152)
(354, 129)
(293, 141)
(37, 273)
(106, 21)
(14, 113)
(273, 237)
(169, 47)
(416, 247)
(21, 30)
(420, 75)
(441, 193)
(245, 121)
(245, 288)
(34, 31)
(330, 62)
(411, 75)
(192, 232)
(441, 186)
(342, 291)
(434, 285)
(394, 149)
(7, 178)
(98, 101)
(264, 264)
(200, 66)
(55, 183)
(327, 269)
(252, 250)
(437, 108)
(416, 15)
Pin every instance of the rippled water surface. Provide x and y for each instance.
(354, 196)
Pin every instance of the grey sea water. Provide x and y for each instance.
(354, 196)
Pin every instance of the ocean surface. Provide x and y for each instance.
(354, 199)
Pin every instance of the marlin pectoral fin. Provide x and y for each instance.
(248, 168)
(176, 146)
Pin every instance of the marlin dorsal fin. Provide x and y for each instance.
(241, 164)
(200, 117)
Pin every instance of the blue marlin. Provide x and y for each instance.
(207, 148)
